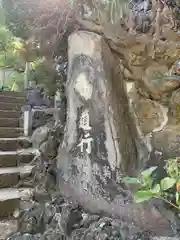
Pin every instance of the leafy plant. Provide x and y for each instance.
(167, 188)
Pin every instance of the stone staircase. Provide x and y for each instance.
(15, 154)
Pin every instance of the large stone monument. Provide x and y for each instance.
(101, 140)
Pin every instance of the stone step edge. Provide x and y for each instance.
(16, 138)
(13, 103)
(27, 151)
(15, 193)
(13, 93)
(15, 128)
(26, 169)
(10, 111)
(13, 97)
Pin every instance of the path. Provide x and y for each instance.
(15, 154)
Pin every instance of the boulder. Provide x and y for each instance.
(101, 140)
(39, 136)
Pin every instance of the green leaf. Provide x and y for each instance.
(130, 180)
(147, 173)
(177, 198)
(156, 189)
(142, 196)
(167, 183)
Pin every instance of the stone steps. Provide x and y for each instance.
(9, 122)
(10, 176)
(14, 158)
(10, 200)
(10, 132)
(10, 114)
(14, 144)
(10, 106)
(13, 94)
(11, 99)
(15, 152)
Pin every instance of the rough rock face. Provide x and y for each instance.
(61, 219)
(158, 118)
(99, 141)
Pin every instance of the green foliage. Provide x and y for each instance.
(15, 17)
(15, 81)
(11, 61)
(44, 73)
(162, 190)
(5, 38)
(8, 48)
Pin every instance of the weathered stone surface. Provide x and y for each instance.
(49, 147)
(155, 75)
(167, 141)
(10, 200)
(13, 144)
(10, 176)
(100, 137)
(8, 206)
(7, 227)
(41, 116)
(174, 106)
(151, 115)
(39, 136)
(66, 220)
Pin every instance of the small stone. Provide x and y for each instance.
(16, 213)
(102, 225)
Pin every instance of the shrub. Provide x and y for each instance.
(167, 188)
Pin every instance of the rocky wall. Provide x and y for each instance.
(155, 98)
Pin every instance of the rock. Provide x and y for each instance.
(136, 56)
(39, 136)
(49, 148)
(35, 219)
(41, 196)
(7, 227)
(52, 234)
(151, 115)
(174, 106)
(155, 76)
(71, 215)
(167, 141)
(101, 137)
(41, 116)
